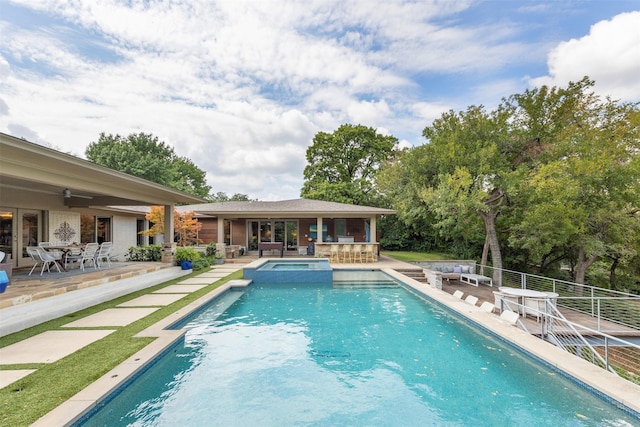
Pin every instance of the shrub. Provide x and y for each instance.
(210, 250)
(145, 253)
(201, 264)
(187, 254)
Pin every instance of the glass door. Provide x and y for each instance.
(7, 234)
(272, 231)
(292, 235)
(30, 226)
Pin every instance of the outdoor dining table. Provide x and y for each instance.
(65, 249)
(523, 294)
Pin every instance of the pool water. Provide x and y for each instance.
(346, 356)
(290, 271)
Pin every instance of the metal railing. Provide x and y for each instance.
(601, 304)
(614, 354)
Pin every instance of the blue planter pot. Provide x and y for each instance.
(4, 281)
(186, 265)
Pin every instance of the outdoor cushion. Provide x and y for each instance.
(457, 269)
(465, 269)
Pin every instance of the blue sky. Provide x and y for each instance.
(241, 87)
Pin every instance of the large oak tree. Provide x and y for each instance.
(144, 156)
(341, 166)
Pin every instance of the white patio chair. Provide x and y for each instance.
(104, 253)
(57, 254)
(510, 317)
(535, 307)
(458, 294)
(89, 254)
(511, 301)
(40, 256)
(488, 307)
(72, 255)
(471, 299)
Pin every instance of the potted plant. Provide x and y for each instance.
(219, 257)
(186, 256)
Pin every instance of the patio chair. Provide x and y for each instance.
(471, 299)
(40, 256)
(346, 253)
(535, 307)
(510, 317)
(458, 294)
(72, 255)
(510, 301)
(104, 253)
(369, 253)
(357, 253)
(55, 253)
(488, 307)
(334, 255)
(89, 254)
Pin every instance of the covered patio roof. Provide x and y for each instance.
(299, 208)
(34, 171)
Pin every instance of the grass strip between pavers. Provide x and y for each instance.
(26, 400)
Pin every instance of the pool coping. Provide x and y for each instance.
(607, 385)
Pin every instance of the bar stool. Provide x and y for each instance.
(346, 253)
(357, 253)
(334, 254)
(369, 254)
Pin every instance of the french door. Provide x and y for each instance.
(19, 228)
(267, 230)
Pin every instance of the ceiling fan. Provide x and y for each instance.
(67, 195)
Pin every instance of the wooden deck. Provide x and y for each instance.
(485, 293)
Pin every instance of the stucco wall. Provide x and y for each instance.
(64, 228)
(123, 235)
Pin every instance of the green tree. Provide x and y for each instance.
(223, 197)
(144, 156)
(468, 150)
(341, 166)
(581, 201)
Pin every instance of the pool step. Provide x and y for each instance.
(413, 273)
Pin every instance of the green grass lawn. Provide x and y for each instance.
(28, 399)
(417, 256)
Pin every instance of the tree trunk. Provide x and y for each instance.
(613, 282)
(583, 263)
(485, 252)
(492, 237)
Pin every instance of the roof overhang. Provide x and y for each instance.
(298, 208)
(38, 170)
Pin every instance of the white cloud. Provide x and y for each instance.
(241, 87)
(609, 54)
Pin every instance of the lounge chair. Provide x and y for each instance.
(488, 307)
(471, 299)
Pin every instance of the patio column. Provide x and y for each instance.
(168, 224)
(220, 230)
(319, 239)
(373, 235)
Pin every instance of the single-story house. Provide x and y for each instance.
(294, 223)
(47, 195)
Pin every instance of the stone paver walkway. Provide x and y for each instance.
(51, 346)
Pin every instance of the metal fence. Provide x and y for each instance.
(614, 354)
(601, 304)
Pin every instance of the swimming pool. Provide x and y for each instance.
(289, 271)
(346, 355)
